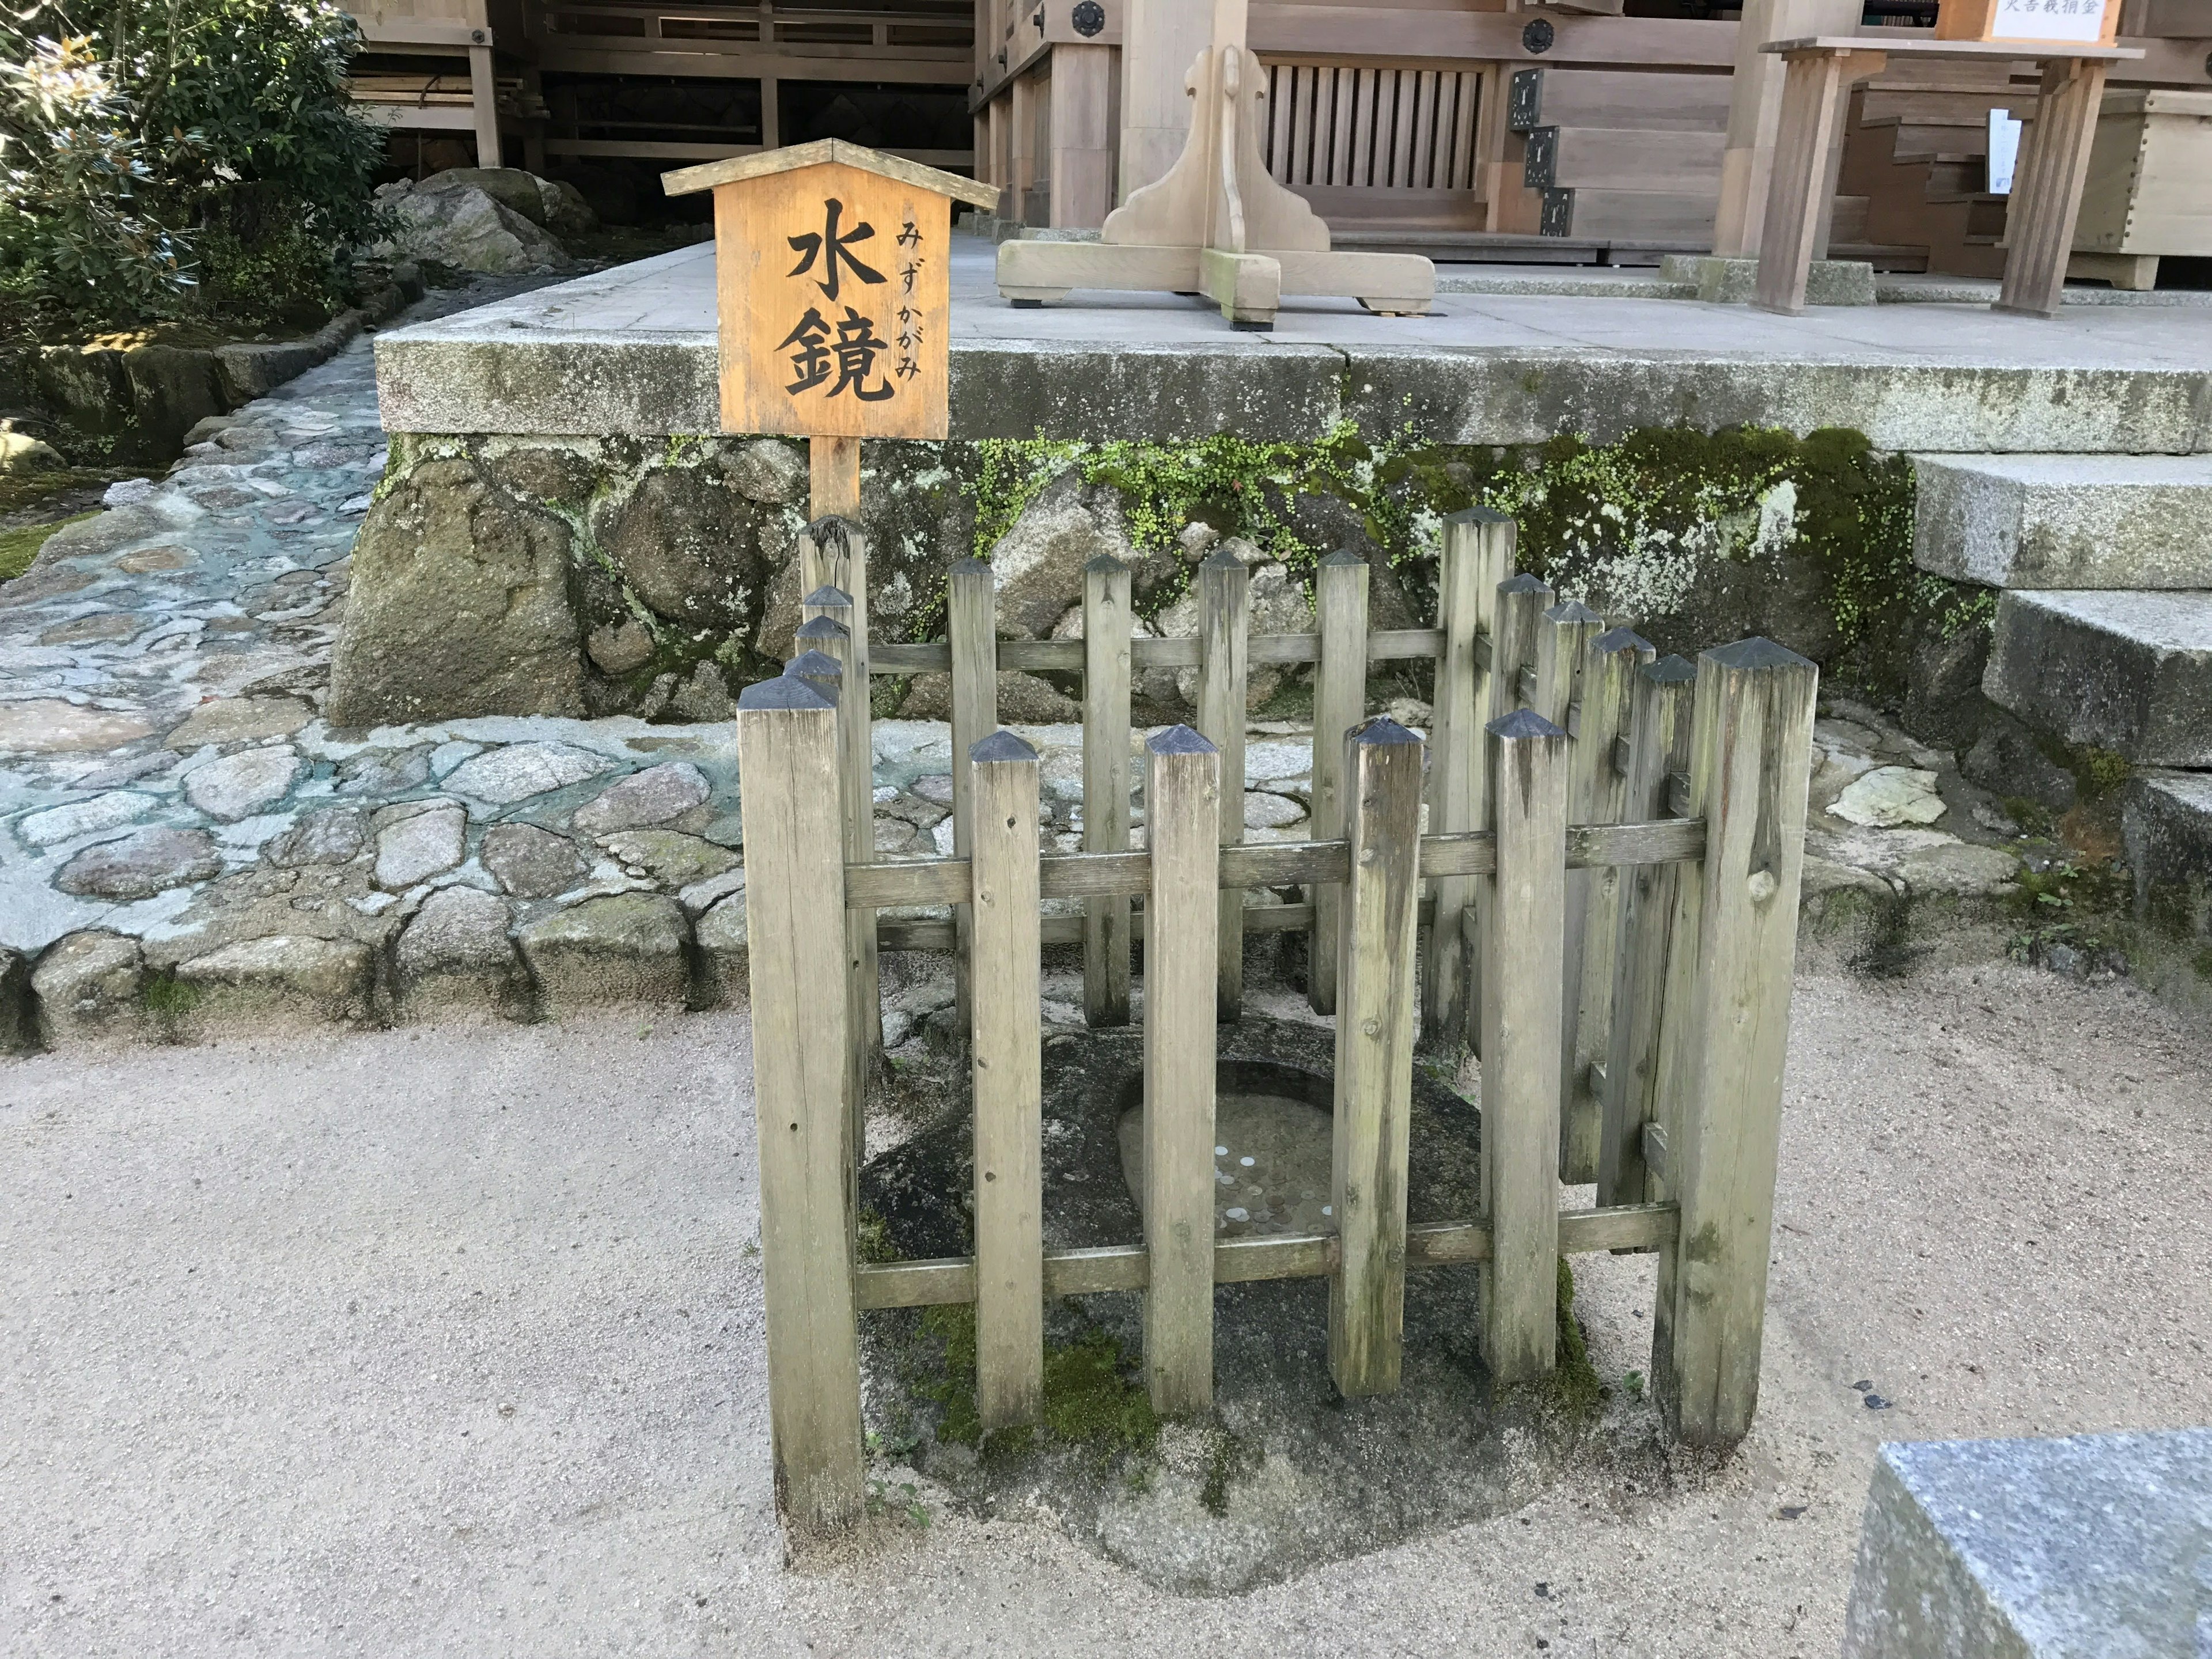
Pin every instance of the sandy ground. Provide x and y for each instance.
(447, 1342)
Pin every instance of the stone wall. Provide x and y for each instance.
(591, 576)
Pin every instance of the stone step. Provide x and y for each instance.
(2066, 521)
(2128, 672)
(2166, 822)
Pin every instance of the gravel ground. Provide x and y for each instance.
(446, 1342)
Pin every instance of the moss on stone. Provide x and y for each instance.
(20, 546)
(1575, 1383)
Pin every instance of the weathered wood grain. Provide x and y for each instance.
(1736, 937)
(794, 916)
(1005, 1059)
(1376, 1027)
(1106, 633)
(1183, 786)
(971, 624)
(1340, 701)
(1225, 621)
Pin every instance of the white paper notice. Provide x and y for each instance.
(2004, 150)
(2080, 23)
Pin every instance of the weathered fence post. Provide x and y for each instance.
(1593, 796)
(1735, 943)
(1106, 630)
(1523, 939)
(795, 920)
(1005, 1057)
(1376, 1017)
(1340, 700)
(823, 637)
(854, 721)
(1658, 747)
(1184, 782)
(1477, 556)
(1224, 624)
(1521, 600)
(971, 628)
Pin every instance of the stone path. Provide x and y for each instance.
(186, 841)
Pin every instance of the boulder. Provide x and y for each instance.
(413, 843)
(283, 977)
(18, 1025)
(458, 606)
(770, 471)
(146, 862)
(532, 863)
(511, 187)
(87, 987)
(1037, 565)
(21, 452)
(456, 952)
(645, 799)
(623, 948)
(469, 230)
(329, 835)
(239, 786)
(725, 965)
(2008, 761)
(503, 776)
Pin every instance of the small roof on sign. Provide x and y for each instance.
(684, 180)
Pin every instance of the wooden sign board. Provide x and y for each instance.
(2041, 23)
(832, 289)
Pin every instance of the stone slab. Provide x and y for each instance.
(1731, 282)
(2092, 1546)
(2165, 821)
(632, 351)
(2065, 521)
(2128, 672)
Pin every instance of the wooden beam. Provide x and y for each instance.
(1340, 584)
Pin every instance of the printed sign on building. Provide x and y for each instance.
(833, 291)
(2052, 22)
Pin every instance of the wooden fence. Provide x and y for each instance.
(1612, 860)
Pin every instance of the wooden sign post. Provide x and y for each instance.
(833, 299)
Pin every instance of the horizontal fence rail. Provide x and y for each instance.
(1247, 1260)
(1268, 864)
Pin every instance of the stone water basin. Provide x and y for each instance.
(1273, 1146)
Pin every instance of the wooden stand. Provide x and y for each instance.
(2046, 192)
(1218, 224)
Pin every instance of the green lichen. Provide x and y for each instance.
(20, 546)
(1089, 1398)
(167, 1001)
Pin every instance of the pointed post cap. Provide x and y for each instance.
(1179, 740)
(1000, 745)
(818, 669)
(1623, 639)
(789, 691)
(1755, 653)
(1571, 611)
(1104, 564)
(1522, 726)
(825, 628)
(1343, 557)
(1525, 582)
(1478, 513)
(828, 597)
(1380, 729)
(1669, 669)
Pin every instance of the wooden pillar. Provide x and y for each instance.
(1755, 111)
(1375, 1031)
(1524, 927)
(1340, 703)
(1477, 556)
(2046, 192)
(483, 101)
(1015, 205)
(1005, 1062)
(1160, 40)
(972, 628)
(1183, 782)
(1225, 621)
(1801, 187)
(795, 926)
(771, 120)
(1727, 1032)
(1082, 163)
(1106, 629)
(1522, 602)
(1658, 747)
(824, 635)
